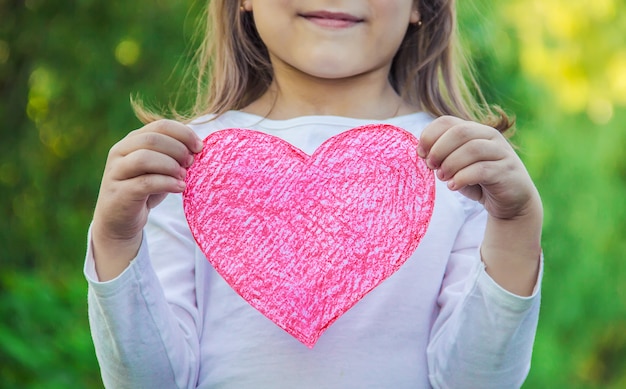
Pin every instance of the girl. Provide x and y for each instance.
(460, 313)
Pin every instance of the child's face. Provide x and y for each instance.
(333, 39)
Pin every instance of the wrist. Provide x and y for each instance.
(511, 249)
(112, 255)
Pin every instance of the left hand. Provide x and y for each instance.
(479, 162)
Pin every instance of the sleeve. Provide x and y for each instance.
(483, 335)
(145, 323)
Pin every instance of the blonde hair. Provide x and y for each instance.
(232, 67)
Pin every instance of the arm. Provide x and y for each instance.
(144, 324)
(477, 161)
(484, 333)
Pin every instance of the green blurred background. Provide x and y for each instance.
(67, 69)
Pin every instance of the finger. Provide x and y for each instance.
(155, 200)
(142, 187)
(153, 141)
(143, 161)
(456, 137)
(434, 131)
(178, 131)
(484, 173)
(474, 151)
(473, 192)
(152, 135)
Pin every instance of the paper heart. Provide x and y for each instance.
(302, 239)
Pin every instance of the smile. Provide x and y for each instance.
(332, 19)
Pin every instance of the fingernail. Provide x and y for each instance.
(420, 151)
(183, 173)
(190, 160)
(451, 185)
(199, 145)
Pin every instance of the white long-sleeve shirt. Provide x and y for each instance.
(170, 321)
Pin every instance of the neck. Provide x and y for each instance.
(294, 94)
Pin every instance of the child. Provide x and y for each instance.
(460, 313)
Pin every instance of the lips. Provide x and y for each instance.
(332, 19)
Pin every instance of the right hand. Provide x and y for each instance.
(140, 171)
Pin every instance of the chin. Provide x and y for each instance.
(331, 71)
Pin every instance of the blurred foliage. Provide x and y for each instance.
(67, 70)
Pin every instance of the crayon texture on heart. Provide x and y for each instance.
(303, 238)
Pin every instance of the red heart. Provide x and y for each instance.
(303, 239)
